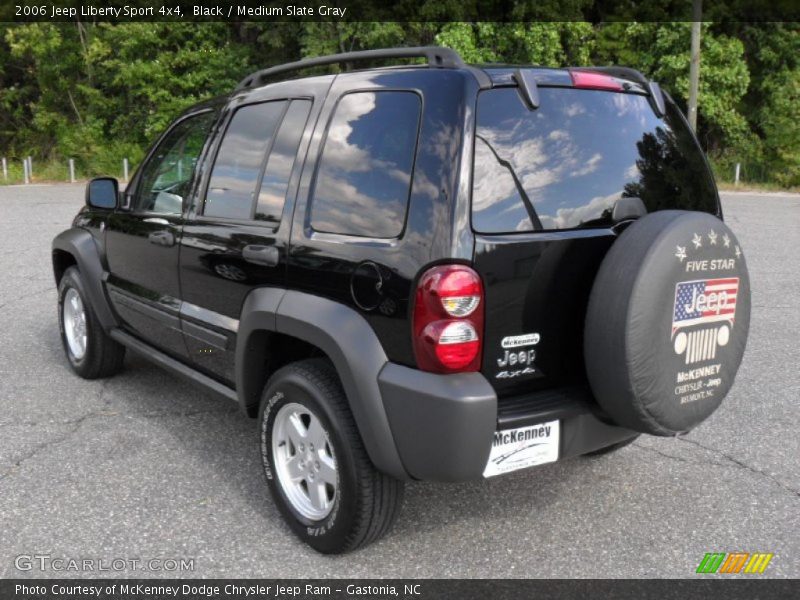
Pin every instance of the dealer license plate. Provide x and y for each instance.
(514, 449)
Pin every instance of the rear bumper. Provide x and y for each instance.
(443, 425)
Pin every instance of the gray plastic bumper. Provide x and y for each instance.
(442, 424)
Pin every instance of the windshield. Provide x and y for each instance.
(565, 164)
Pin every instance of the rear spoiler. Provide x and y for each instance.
(653, 89)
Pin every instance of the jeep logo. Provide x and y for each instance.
(524, 357)
(702, 303)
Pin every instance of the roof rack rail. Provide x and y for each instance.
(438, 57)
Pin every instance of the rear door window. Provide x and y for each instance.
(364, 176)
(565, 164)
(275, 181)
(240, 161)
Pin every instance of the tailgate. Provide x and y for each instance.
(552, 187)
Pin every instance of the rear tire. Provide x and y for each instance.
(91, 353)
(331, 494)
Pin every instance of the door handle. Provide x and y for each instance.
(162, 238)
(261, 255)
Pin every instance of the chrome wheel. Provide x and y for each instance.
(74, 316)
(304, 461)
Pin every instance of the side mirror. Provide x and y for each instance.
(102, 192)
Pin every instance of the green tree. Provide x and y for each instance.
(546, 44)
(661, 51)
(98, 92)
(331, 37)
(155, 70)
(780, 122)
(771, 103)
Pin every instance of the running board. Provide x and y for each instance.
(172, 365)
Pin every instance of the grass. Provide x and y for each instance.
(53, 171)
(728, 186)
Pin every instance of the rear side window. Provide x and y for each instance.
(240, 160)
(565, 164)
(364, 176)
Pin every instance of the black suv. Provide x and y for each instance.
(427, 271)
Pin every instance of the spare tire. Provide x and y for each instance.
(667, 322)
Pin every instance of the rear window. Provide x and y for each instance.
(565, 164)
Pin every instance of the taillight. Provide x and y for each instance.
(448, 320)
(595, 81)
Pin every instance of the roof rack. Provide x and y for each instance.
(441, 58)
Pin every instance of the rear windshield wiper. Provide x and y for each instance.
(537, 224)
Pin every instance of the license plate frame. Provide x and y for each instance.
(523, 447)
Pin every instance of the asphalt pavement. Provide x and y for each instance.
(144, 466)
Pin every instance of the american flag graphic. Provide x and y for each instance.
(704, 301)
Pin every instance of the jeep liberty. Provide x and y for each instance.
(429, 271)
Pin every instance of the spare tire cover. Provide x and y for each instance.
(667, 322)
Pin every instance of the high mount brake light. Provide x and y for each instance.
(448, 320)
(595, 81)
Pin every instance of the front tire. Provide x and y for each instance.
(317, 469)
(91, 353)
